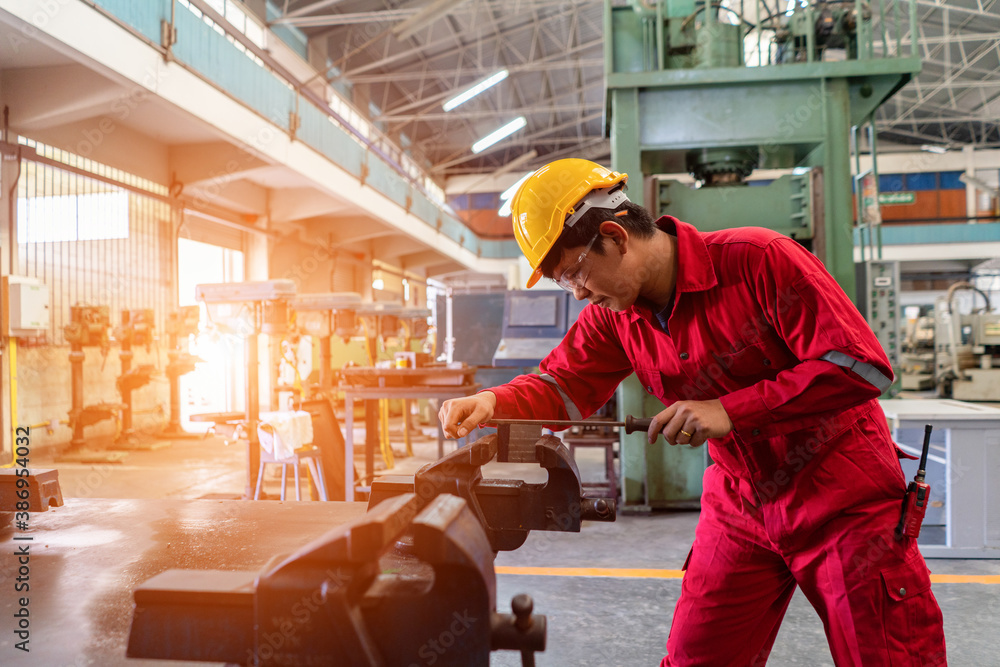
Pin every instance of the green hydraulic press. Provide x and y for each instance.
(717, 90)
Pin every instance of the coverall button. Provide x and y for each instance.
(684, 355)
(902, 591)
(767, 362)
(649, 389)
(756, 431)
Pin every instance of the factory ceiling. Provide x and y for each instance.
(407, 57)
(956, 99)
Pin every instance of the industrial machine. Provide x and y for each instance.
(88, 327)
(917, 357)
(323, 316)
(965, 345)
(878, 301)
(719, 91)
(266, 305)
(415, 319)
(384, 319)
(683, 99)
(137, 328)
(534, 323)
(181, 324)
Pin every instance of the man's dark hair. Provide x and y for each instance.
(637, 222)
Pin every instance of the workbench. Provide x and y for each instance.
(367, 393)
(963, 469)
(88, 556)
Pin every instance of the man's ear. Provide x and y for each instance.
(618, 235)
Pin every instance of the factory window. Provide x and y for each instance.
(890, 183)
(83, 217)
(236, 17)
(950, 180)
(922, 181)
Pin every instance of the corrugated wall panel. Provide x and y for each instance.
(92, 243)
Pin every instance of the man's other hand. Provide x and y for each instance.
(458, 416)
(691, 423)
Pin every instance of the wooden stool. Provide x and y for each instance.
(608, 489)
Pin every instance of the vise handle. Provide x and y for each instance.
(631, 424)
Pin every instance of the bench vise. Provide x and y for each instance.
(508, 509)
(344, 600)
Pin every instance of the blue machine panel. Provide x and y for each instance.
(533, 324)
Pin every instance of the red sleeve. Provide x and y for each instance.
(812, 314)
(575, 379)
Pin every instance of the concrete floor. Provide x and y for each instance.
(601, 621)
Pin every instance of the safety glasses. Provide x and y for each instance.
(575, 275)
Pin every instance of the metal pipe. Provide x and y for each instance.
(810, 33)
(872, 147)
(858, 203)
(881, 25)
(326, 358)
(860, 34)
(76, 357)
(449, 339)
(253, 401)
(125, 355)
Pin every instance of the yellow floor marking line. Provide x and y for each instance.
(640, 573)
(637, 573)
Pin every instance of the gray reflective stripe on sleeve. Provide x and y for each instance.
(571, 409)
(873, 375)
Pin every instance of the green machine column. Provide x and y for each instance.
(681, 99)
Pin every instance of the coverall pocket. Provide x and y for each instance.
(749, 361)
(910, 612)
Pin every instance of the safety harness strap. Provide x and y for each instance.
(868, 372)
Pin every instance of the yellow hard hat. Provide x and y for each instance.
(555, 196)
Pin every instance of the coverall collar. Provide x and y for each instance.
(695, 270)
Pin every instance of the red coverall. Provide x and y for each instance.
(807, 488)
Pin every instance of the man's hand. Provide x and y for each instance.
(691, 423)
(460, 415)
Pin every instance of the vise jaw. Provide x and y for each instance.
(339, 601)
(508, 509)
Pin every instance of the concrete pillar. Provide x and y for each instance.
(971, 207)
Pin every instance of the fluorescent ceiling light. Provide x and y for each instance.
(509, 193)
(504, 132)
(480, 87)
(932, 148)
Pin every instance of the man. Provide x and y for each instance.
(756, 350)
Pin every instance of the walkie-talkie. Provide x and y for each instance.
(917, 496)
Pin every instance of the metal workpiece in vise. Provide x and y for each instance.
(344, 600)
(508, 509)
